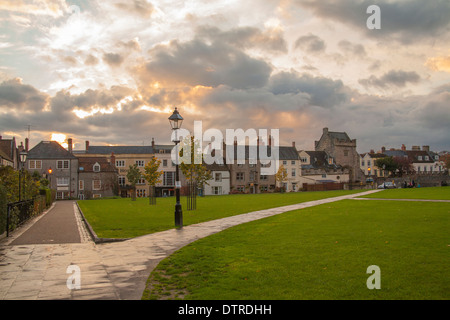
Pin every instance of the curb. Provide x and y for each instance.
(95, 238)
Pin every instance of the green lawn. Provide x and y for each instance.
(434, 193)
(123, 218)
(321, 252)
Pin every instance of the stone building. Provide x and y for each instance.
(343, 150)
(56, 163)
(97, 178)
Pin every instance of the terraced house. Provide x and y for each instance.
(59, 165)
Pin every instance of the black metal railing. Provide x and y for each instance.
(21, 211)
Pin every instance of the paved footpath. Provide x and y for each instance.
(33, 267)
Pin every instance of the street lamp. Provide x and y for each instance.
(50, 176)
(175, 121)
(23, 158)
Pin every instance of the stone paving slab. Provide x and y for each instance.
(108, 271)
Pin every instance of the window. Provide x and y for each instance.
(96, 167)
(368, 163)
(263, 177)
(293, 172)
(427, 158)
(64, 181)
(240, 176)
(141, 181)
(120, 163)
(284, 162)
(330, 160)
(169, 178)
(324, 175)
(62, 164)
(420, 158)
(240, 188)
(263, 188)
(81, 185)
(96, 184)
(140, 163)
(293, 162)
(217, 190)
(122, 181)
(165, 163)
(218, 177)
(304, 159)
(35, 164)
(362, 163)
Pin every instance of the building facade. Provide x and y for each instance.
(343, 150)
(58, 165)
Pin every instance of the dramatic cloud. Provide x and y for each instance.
(396, 78)
(16, 95)
(405, 21)
(310, 43)
(439, 63)
(198, 63)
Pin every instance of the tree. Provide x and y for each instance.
(194, 172)
(388, 164)
(281, 176)
(133, 176)
(153, 176)
(405, 165)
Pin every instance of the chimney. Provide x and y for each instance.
(153, 142)
(372, 151)
(325, 130)
(87, 145)
(293, 144)
(415, 148)
(403, 147)
(426, 148)
(27, 144)
(69, 143)
(383, 149)
(113, 159)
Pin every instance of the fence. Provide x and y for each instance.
(20, 212)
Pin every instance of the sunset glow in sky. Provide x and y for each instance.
(112, 71)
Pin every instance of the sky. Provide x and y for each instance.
(111, 72)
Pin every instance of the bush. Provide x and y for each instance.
(3, 209)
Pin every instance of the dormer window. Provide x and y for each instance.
(96, 167)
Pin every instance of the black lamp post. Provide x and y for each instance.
(23, 158)
(175, 121)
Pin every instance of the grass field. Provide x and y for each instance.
(434, 193)
(123, 218)
(321, 252)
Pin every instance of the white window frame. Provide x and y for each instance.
(61, 164)
(62, 181)
(120, 163)
(99, 187)
(37, 164)
(140, 163)
(96, 167)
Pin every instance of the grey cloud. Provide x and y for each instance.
(396, 78)
(21, 96)
(113, 59)
(246, 37)
(323, 92)
(352, 48)
(310, 43)
(405, 21)
(197, 63)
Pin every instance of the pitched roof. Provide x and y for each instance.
(86, 164)
(49, 150)
(342, 136)
(120, 150)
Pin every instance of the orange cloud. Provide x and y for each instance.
(439, 64)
